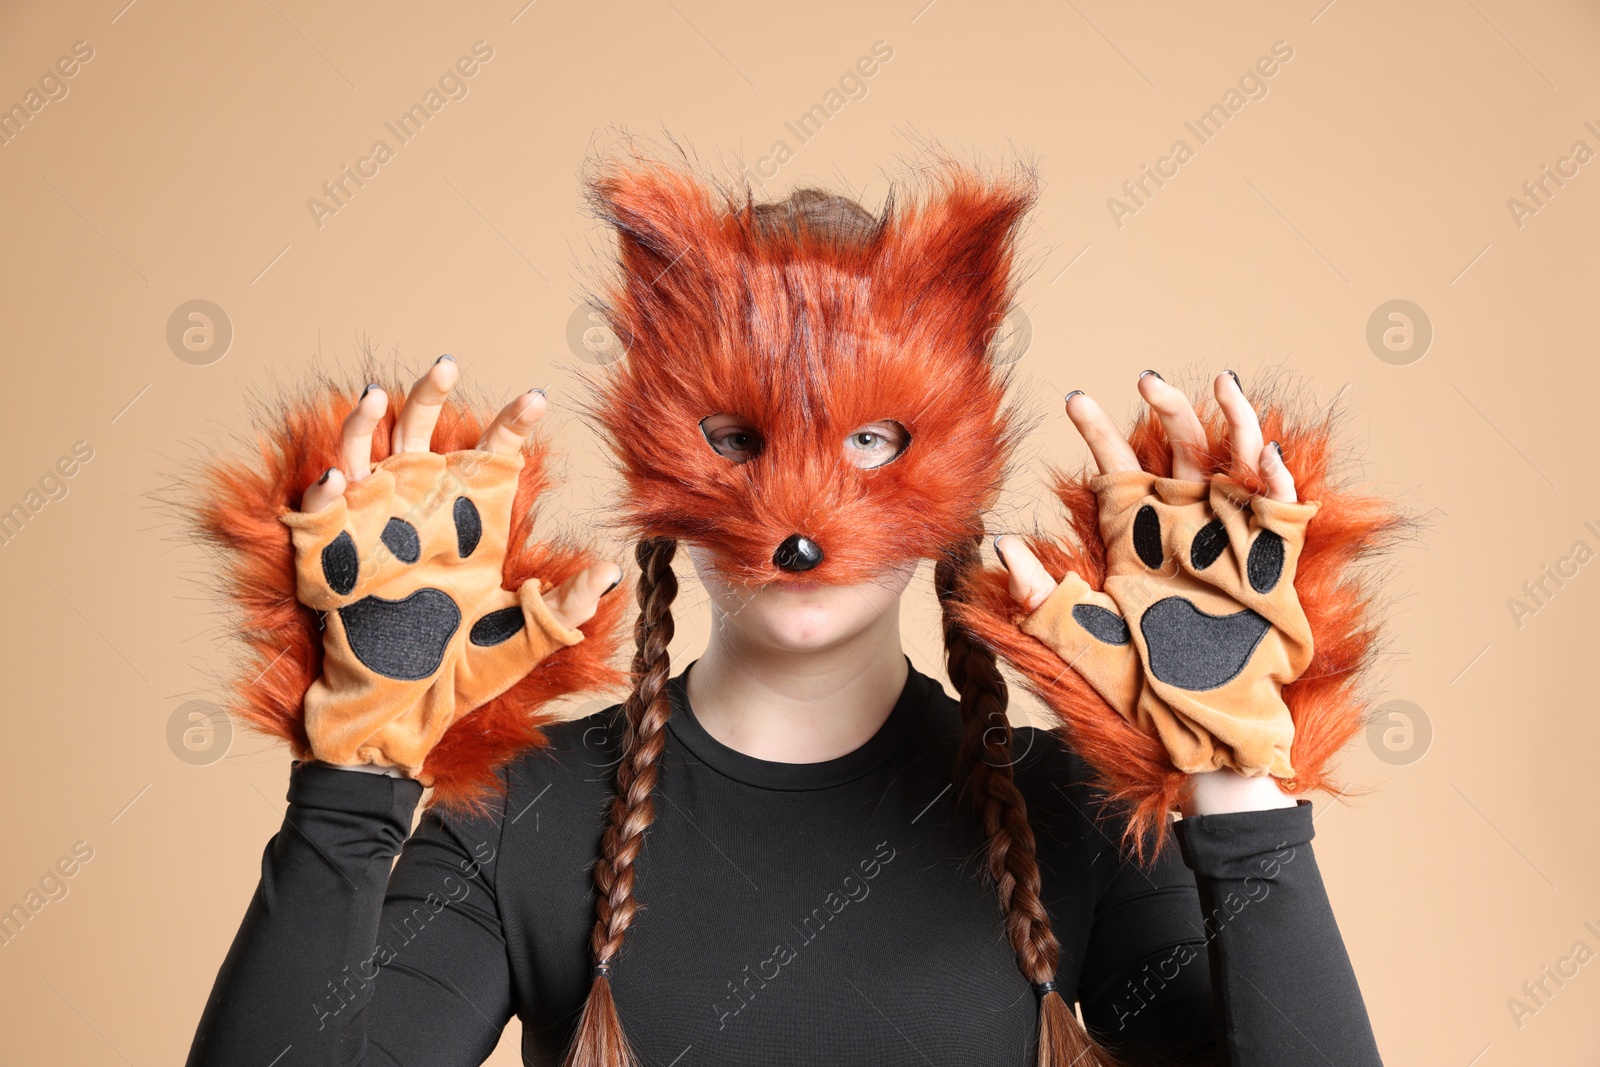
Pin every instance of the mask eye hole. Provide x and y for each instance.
(876, 443)
(731, 437)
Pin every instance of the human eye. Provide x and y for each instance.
(876, 443)
(731, 438)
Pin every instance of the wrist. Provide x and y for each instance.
(364, 768)
(1225, 791)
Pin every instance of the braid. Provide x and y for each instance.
(599, 1040)
(985, 767)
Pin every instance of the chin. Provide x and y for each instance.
(800, 615)
(806, 618)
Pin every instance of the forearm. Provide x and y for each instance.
(1283, 987)
(299, 971)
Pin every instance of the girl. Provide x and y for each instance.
(798, 849)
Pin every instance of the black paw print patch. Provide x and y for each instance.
(406, 638)
(1189, 647)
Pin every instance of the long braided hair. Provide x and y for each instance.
(600, 1041)
(992, 789)
(664, 291)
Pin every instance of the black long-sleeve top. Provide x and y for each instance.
(825, 913)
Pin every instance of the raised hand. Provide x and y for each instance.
(405, 561)
(1197, 626)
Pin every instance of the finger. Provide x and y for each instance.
(510, 429)
(321, 495)
(355, 447)
(1244, 428)
(1280, 483)
(1110, 449)
(1030, 583)
(419, 414)
(1179, 421)
(575, 600)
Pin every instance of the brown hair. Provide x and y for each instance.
(600, 1041)
(992, 788)
(986, 749)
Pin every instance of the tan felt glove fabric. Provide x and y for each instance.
(1198, 627)
(418, 631)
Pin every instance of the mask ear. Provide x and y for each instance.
(948, 259)
(669, 234)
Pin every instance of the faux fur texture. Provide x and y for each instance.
(235, 507)
(806, 339)
(1327, 703)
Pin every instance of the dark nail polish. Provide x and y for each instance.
(365, 391)
(541, 392)
(1069, 396)
(1001, 555)
(1276, 447)
(444, 357)
(1144, 372)
(324, 479)
(1237, 383)
(612, 586)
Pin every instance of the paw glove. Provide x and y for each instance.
(406, 568)
(1198, 627)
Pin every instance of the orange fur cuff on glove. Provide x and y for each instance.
(1198, 627)
(418, 630)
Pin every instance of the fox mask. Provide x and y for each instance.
(802, 334)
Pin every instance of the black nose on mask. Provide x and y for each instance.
(797, 553)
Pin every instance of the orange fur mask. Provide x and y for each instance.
(806, 334)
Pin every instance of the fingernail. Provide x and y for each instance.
(324, 479)
(612, 586)
(1001, 555)
(1276, 447)
(1069, 396)
(1144, 372)
(541, 392)
(1238, 384)
(365, 391)
(444, 357)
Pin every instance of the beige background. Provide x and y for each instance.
(1377, 167)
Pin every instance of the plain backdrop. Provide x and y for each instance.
(1384, 159)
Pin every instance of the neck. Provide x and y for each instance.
(806, 706)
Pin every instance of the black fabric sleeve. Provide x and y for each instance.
(1284, 989)
(1145, 990)
(324, 971)
(1225, 951)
